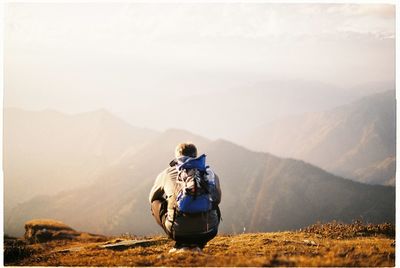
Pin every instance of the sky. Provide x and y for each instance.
(211, 68)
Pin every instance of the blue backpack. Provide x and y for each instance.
(195, 185)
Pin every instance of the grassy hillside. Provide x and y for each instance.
(318, 245)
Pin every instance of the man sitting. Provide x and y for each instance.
(185, 198)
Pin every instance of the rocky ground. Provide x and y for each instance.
(331, 244)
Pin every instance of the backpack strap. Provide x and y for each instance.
(203, 183)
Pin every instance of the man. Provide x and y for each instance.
(184, 200)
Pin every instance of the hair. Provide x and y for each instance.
(186, 149)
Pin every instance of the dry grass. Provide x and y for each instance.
(302, 248)
(340, 230)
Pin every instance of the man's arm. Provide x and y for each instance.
(157, 191)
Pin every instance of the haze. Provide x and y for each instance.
(213, 69)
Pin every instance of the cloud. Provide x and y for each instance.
(119, 24)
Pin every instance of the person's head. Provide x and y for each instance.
(186, 149)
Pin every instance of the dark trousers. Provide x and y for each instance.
(159, 210)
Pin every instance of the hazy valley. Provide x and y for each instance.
(261, 192)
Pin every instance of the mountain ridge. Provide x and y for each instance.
(269, 193)
(348, 140)
(51, 151)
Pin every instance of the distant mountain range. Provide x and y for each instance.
(46, 151)
(357, 140)
(94, 171)
(261, 192)
(229, 113)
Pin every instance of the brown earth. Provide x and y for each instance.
(331, 244)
